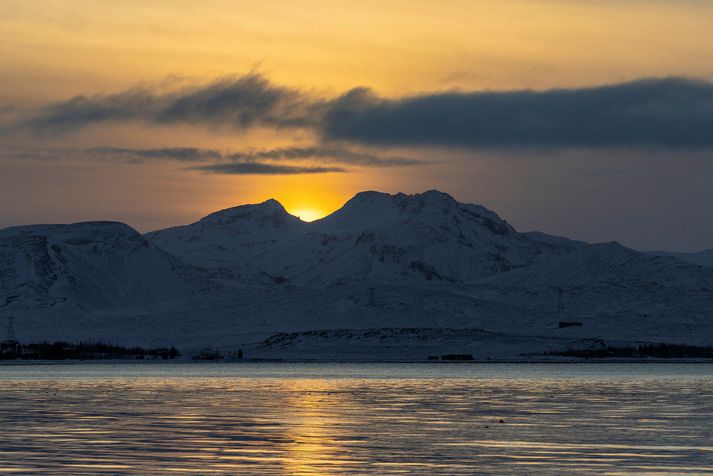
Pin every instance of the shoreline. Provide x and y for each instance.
(19, 363)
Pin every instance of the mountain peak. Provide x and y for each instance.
(271, 204)
(217, 236)
(399, 200)
(435, 195)
(417, 202)
(267, 214)
(429, 195)
(370, 196)
(377, 209)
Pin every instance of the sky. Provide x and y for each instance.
(587, 119)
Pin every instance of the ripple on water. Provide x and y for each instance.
(262, 424)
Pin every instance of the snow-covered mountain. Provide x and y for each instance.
(609, 264)
(85, 266)
(419, 263)
(394, 238)
(374, 236)
(230, 237)
(702, 258)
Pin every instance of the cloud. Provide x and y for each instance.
(240, 103)
(134, 156)
(266, 161)
(328, 154)
(257, 168)
(179, 154)
(666, 113)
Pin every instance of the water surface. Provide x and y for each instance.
(357, 418)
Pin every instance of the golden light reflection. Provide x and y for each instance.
(315, 440)
(246, 420)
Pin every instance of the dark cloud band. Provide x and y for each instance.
(179, 154)
(668, 113)
(662, 113)
(257, 168)
(328, 154)
(288, 160)
(240, 103)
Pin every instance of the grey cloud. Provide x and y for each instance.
(179, 154)
(240, 103)
(328, 154)
(668, 113)
(250, 161)
(82, 111)
(244, 102)
(257, 168)
(662, 113)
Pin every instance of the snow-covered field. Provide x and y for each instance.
(387, 276)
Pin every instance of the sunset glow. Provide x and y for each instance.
(356, 237)
(306, 214)
(194, 108)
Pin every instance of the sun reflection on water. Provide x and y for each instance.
(308, 426)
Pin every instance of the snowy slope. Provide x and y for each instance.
(93, 265)
(231, 236)
(558, 241)
(609, 264)
(423, 237)
(701, 258)
(429, 237)
(375, 236)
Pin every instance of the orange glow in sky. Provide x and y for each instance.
(55, 52)
(307, 214)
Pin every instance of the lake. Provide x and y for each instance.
(322, 418)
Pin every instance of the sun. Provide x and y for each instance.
(308, 197)
(307, 214)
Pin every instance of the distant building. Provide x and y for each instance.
(457, 357)
(10, 348)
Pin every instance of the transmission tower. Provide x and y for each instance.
(560, 300)
(10, 333)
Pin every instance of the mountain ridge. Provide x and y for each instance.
(374, 236)
(423, 261)
(97, 265)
